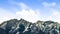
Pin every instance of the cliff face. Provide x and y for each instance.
(22, 26)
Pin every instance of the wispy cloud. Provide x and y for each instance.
(23, 5)
(46, 4)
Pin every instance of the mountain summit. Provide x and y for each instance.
(22, 26)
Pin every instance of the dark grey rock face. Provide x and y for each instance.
(22, 26)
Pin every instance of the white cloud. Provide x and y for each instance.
(4, 15)
(55, 16)
(55, 12)
(46, 4)
(29, 15)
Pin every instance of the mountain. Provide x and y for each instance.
(22, 26)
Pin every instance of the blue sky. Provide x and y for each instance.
(30, 10)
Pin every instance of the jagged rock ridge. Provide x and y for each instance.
(22, 26)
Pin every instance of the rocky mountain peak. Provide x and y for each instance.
(22, 26)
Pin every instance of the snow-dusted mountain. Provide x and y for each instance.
(22, 26)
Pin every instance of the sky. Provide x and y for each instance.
(30, 10)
